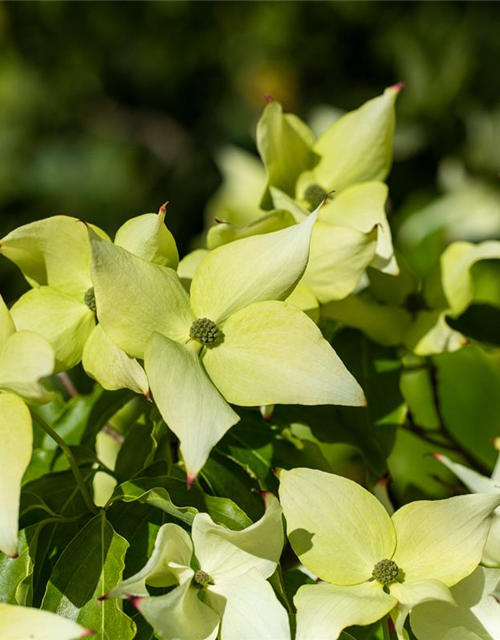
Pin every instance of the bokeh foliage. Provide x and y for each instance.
(107, 110)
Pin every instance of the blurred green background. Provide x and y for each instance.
(109, 109)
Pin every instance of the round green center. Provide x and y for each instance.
(201, 579)
(89, 299)
(385, 572)
(314, 195)
(204, 330)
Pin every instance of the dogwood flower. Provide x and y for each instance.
(373, 564)
(233, 340)
(219, 580)
(25, 358)
(54, 256)
(475, 616)
(478, 483)
(20, 623)
(352, 158)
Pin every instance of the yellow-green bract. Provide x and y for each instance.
(232, 568)
(266, 352)
(54, 256)
(477, 483)
(20, 623)
(475, 615)
(342, 533)
(25, 358)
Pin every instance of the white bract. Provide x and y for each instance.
(477, 483)
(371, 563)
(25, 623)
(476, 615)
(219, 579)
(25, 358)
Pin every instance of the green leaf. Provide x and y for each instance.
(89, 567)
(16, 574)
(58, 495)
(137, 451)
(415, 474)
(259, 446)
(103, 409)
(172, 496)
(464, 404)
(225, 478)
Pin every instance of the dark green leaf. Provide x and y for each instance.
(137, 451)
(16, 574)
(89, 567)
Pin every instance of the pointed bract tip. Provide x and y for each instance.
(265, 495)
(364, 405)
(219, 221)
(136, 601)
(266, 411)
(277, 471)
(190, 478)
(83, 222)
(163, 209)
(496, 442)
(147, 395)
(88, 632)
(105, 596)
(268, 98)
(397, 87)
(384, 481)
(438, 456)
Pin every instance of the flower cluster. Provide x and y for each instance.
(300, 239)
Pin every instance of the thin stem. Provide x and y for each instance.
(67, 383)
(385, 628)
(71, 459)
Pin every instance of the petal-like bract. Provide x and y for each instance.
(135, 298)
(180, 614)
(338, 529)
(265, 267)
(224, 553)
(61, 319)
(272, 353)
(54, 252)
(147, 236)
(339, 257)
(361, 207)
(249, 608)
(323, 610)
(443, 539)
(7, 326)
(285, 146)
(410, 594)
(111, 366)
(188, 401)
(169, 564)
(16, 435)
(358, 146)
(21, 623)
(25, 359)
(475, 615)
